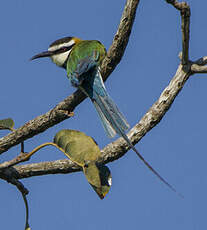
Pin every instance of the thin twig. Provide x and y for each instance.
(22, 147)
(26, 156)
(10, 175)
(22, 157)
(27, 227)
(184, 9)
(195, 68)
(201, 61)
(199, 66)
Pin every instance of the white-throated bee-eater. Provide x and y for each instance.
(82, 59)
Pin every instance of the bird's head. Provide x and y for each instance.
(59, 50)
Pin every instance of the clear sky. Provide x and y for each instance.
(176, 147)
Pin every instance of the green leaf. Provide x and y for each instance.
(91, 172)
(80, 147)
(99, 178)
(84, 151)
(7, 124)
(106, 179)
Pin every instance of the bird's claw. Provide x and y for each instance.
(70, 114)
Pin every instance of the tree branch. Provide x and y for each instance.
(199, 65)
(184, 9)
(195, 68)
(118, 148)
(11, 176)
(61, 111)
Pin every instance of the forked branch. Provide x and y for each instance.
(154, 115)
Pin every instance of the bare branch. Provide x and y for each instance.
(201, 61)
(11, 176)
(195, 68)
(63, 109)
(199, 65)
(44, 168)
(121, 39)
(22, 157)
(184, 9)
(118, 148)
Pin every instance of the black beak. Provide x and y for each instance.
(41, 55)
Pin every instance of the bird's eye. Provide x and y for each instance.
(64, 49)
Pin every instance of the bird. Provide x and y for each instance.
(82, 60)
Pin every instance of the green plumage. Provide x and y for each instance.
(84, 73)
(83, 50)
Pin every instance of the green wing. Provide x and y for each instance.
(83, 57)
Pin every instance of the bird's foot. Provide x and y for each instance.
(65, 112)
(69, 113)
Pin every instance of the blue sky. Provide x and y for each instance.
(176, 147)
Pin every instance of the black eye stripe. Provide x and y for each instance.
(63, 49)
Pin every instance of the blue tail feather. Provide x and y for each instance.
(107, 126)
(112, 119)
(110, 115)
(109, 111)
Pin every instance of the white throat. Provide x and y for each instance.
(59, 59)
